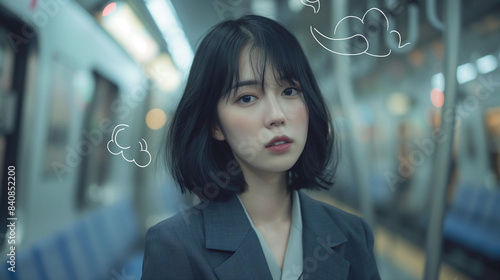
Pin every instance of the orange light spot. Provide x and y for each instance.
(156, 118)
(437, 97)
(438, 49)
(111, 7)
(416, 58)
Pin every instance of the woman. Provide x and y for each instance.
(250, 131)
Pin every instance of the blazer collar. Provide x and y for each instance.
(321, 239)
(226, 224)
(227, 228)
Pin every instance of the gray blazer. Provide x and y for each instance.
(215, 240)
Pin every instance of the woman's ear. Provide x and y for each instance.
(217, 133)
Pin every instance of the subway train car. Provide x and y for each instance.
(87, 89)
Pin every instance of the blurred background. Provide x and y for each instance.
(414, 96)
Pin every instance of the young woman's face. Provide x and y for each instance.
(266, 128)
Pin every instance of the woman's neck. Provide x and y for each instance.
(266, 199)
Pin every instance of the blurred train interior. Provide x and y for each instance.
(415, 103)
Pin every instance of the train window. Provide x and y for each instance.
(60, 116)
(97, 129)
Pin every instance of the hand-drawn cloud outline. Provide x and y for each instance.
(114, 141)
(357, 35)
(308, 4)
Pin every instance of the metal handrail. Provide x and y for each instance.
(432, 15)
(348, 104)
(434, 241)
(413, 29)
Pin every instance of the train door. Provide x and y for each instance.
(97, 127)
(17, 52)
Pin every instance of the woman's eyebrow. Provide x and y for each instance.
(291, 82)
(245, 83)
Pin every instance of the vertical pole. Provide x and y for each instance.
(348, 103)
(434, 239)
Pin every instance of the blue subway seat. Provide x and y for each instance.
(88, 249)
(473, 220)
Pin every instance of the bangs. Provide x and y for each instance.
(263, 50)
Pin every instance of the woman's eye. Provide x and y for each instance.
(246, 99)
(290, 92)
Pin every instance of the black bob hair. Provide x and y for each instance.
(203, 165)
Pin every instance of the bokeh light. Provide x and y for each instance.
(437, 97)
(110, 8)
(156, 118)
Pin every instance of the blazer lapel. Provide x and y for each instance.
(321, 238)
(227, 229)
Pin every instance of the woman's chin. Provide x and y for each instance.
(277, 167)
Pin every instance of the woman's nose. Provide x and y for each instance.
(275, 116)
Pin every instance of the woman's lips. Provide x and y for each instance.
(280, 148)
(277, 140)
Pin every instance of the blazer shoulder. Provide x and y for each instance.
(350, 224)
(167, 254)
(181, 225)
(337, 214)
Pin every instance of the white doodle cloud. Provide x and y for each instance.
(357, 36)
(309, 3)
(117, 149)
